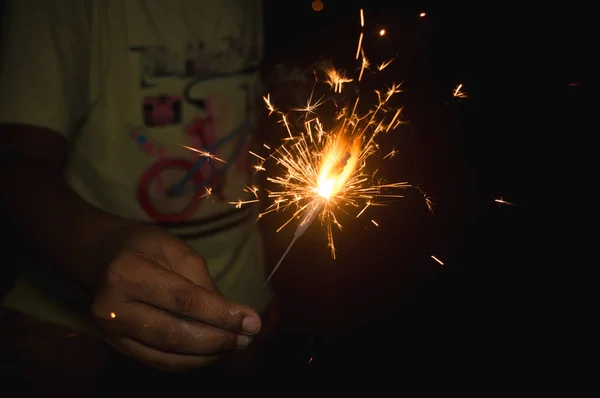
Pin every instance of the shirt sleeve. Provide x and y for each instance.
(44, 63)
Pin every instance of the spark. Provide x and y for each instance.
(360, 38)
(437, 259)
(428, 200)
(336, 78)
(503, 202)
(458, 93)
(238, 204)
(203, 153)
(310, 106)
(364, 65)
(310, 360)
(113, 315)
(373, 221)
(270, 107)
(258, 156)
(382, 32)
(208, 192)
(258, 167)
(422, 14)
(385, 64)
(392, 154)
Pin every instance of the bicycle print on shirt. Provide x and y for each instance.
(191, 98)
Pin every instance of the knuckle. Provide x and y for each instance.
(185, 299)
(114, 272)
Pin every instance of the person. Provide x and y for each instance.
(103, 111)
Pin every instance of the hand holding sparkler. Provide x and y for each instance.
(158, 303)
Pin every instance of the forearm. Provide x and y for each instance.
(65, 229)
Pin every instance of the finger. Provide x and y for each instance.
(163, 331)
(156, 286)
(162, 360)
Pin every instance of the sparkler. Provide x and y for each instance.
(325, 162)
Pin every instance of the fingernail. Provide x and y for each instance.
(251, 325)
(243, 340)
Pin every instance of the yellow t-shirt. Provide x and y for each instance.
(129, 83)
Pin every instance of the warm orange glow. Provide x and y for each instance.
(422, 14)
(382, 32)
(317, 5)
(113, 315)
(339, 161)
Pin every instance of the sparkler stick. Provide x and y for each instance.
(309, 217)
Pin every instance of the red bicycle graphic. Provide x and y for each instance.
(192, 179)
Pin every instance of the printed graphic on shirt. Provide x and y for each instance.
(181, 104)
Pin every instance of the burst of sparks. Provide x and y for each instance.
(323, 162)
(458, 93)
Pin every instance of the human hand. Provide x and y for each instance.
(159, 304)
